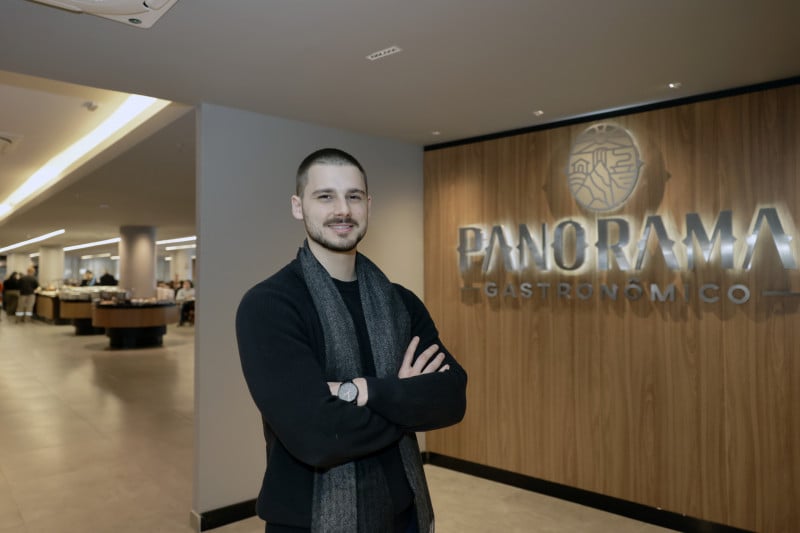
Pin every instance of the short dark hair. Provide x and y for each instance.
(325, 156)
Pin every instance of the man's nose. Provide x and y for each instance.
(342, 207)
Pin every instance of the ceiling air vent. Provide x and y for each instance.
(139, 13)
(8, 141)
(380, 54)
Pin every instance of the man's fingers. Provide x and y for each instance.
(434, 365)
(409, 355)
(427, 362)
(425, 357)
(445, 368)
(406, 370)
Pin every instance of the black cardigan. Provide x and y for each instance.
(281, 347)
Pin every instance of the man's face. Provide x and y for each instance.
(334, 207)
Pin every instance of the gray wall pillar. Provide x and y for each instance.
(51, 266)
(137, 260)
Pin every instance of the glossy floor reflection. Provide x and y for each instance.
(95, 440)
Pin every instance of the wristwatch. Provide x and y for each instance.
(348, 392)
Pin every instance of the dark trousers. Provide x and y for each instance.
(187, 312)
(10, 299)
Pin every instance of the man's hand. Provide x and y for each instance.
(427, 362)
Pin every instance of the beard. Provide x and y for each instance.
(337, 243)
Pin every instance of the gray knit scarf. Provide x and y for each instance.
(354, 497)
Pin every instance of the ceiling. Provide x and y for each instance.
(467, 68)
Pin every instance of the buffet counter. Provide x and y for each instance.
(132, 324)
(74, 305)
(48, 307)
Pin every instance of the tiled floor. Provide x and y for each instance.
(94, 440)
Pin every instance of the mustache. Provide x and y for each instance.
(341, 220)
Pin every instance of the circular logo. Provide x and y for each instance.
(603, 167)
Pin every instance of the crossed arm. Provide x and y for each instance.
(278, 347)
(429, 361)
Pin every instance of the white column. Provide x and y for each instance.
(72, 266)
(181, 265)
(51, 266)
(137, 260)
(17, 263)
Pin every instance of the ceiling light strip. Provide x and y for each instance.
(90, 244)
(31, 241)
(133, 108)
(180, 239)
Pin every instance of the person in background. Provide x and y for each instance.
(107, 279)
(164, 292)
(11, 294)
(344, 367)
(88, 279)
(185, 298)
(27, 295)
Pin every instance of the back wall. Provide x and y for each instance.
(614, 341)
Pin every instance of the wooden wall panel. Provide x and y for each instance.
(689, 406)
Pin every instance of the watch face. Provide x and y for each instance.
(348, 391)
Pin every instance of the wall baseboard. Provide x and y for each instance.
(226, 515)
(636, 511)
(643, 513)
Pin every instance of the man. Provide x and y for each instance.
(185, 298)
(344, 367)
(27, 297)
(108, 279)
(11, 294)
(88, 279)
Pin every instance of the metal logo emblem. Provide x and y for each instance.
(603, 167)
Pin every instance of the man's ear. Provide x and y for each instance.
(297, 207)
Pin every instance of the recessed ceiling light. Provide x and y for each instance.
(674, 85)
(538, 113)
(436, 132)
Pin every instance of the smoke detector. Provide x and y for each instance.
(8, 141)
(138, 13)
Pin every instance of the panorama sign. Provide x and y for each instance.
(603, 167)
(602, 173)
